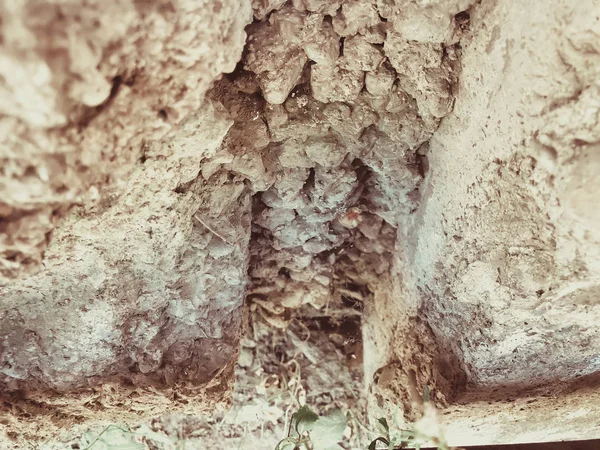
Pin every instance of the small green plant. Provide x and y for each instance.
(391, 439)
(423, 431)
(305, 431)
(309, 431)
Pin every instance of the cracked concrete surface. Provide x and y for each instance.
(431, 165)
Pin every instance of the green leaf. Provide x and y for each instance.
(304, 419)
(287, 444)
(383, 426)
(373, 445)
(327, 431)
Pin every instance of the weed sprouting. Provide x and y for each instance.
(309, 431)
(305, 431)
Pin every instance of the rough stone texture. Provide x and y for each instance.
(142, 286)
(82, 88)
(516, 241)
(340, 163)
(424, 20)
(501, 261)
(142, 283)
(314, 173)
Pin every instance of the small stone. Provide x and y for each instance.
(351, 218)
(246, 357)
(315, 246)
(376, 34)
(324, 46)
(293, 155)
(325, 151)
(425, 24)
(304, 276)
(337, 82)
(322, 279)
(262, 8)
(248, 343)
(274, 218)
(370, 226)
(337, 339)
(355, 16)
(328, 7)
(361, 54)
(380, 81)
(276, 86)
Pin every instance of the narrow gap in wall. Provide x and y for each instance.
(332, 172)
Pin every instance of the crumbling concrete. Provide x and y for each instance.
(145, 196)
(501, 260)
(115, 284)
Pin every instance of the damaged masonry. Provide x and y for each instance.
(348, 202)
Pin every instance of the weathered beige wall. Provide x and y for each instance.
(107, 282)
(140, 192)
(83, 88)
(142, 282)
(508, 239)
(502, 259)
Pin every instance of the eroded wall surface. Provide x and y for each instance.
(110, 274)
(144, 196)
(83, 88)
(507, 252)
(291, 173)
(501, 261)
